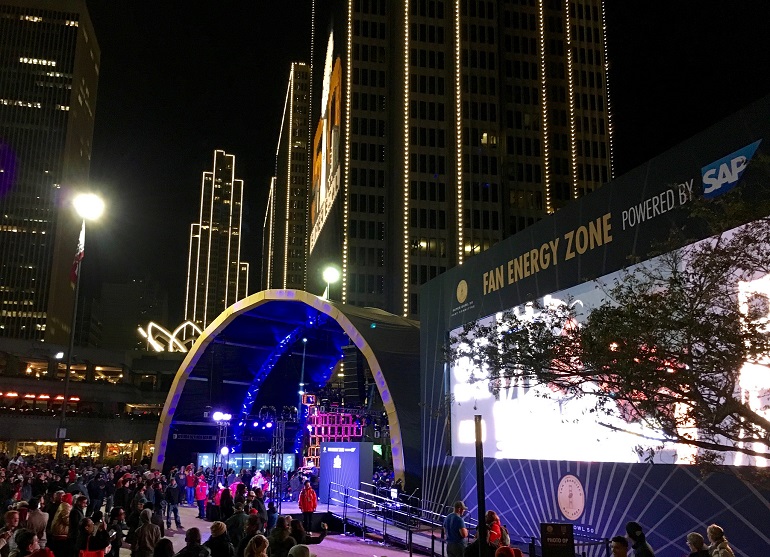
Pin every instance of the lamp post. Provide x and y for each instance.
(222, 419)
(88, 206)
(330, 276)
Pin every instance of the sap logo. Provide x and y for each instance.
(723, 175)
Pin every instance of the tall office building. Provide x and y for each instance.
(49, 69)
(445, 127)
(285, 230)
(216, 276)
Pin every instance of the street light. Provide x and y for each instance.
(88, 206)
(222, 419)
(330, 276)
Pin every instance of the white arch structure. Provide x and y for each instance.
(155, 333)
(251, 302)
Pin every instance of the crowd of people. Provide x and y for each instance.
(497, 541)
(80, 509)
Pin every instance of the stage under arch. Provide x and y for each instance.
(236, 354)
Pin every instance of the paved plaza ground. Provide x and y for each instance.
(333, 546)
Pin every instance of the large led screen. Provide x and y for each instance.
(525, 421)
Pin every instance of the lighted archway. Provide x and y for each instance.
(390, 345)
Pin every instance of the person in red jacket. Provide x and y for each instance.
(201, 492)
(308, 502)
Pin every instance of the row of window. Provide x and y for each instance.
(521, 70)
(428, 8)
(366, 257)
(366, 284)
(478, 59)
(430, 164)
(589, 102)
(481, 219)
(364, 101)
(367, 152)
(525, 199)
(428, 84)
(370, 29)
(520, 20)
(427, 33)
(427, 58)
(480, 191)
(427, 191)
(366, 229)
(425, 110)
(428, 247)
(367, 177)
(478, 8)
(376, 7)
(367, 126)
(589, 79)
(587, 56)
(480, 33)
(586, 34)
(367, 203)
(596, 149)
(420, 274)
(369, 53)
(586, 11)
(479, 84)
(486, 111)
(520, 45)
(369, 78)
(593, 172)
(428, 137)
(433, 219)
(480, 164)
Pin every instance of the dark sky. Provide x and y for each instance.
(177, 83)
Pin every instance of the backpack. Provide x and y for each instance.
(505, 537)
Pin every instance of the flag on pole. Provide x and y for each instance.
(79, 252)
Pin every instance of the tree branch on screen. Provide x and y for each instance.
(680, 343)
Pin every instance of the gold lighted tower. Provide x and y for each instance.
(285, 230)
(216, 276)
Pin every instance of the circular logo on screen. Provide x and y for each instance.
(571, 497)
(462, 291)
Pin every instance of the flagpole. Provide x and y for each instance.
(61, 433)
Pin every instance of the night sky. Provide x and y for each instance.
(177, 83)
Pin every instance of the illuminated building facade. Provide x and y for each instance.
(286, 220)
(446, 126)
(49, 69)
(216, 276)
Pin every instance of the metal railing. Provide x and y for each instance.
(396, 520)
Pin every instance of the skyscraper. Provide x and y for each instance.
(285, 230)
(49, 69)
(445, 127)
(216, 276)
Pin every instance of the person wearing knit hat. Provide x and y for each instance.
(146, 536)
(719, 546)
(636, 537)
(67, 498)
(219, 542)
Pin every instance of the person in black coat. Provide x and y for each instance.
(297, 531)
(90, 537)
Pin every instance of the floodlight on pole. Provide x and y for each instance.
(88, 206)
(330, 275)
